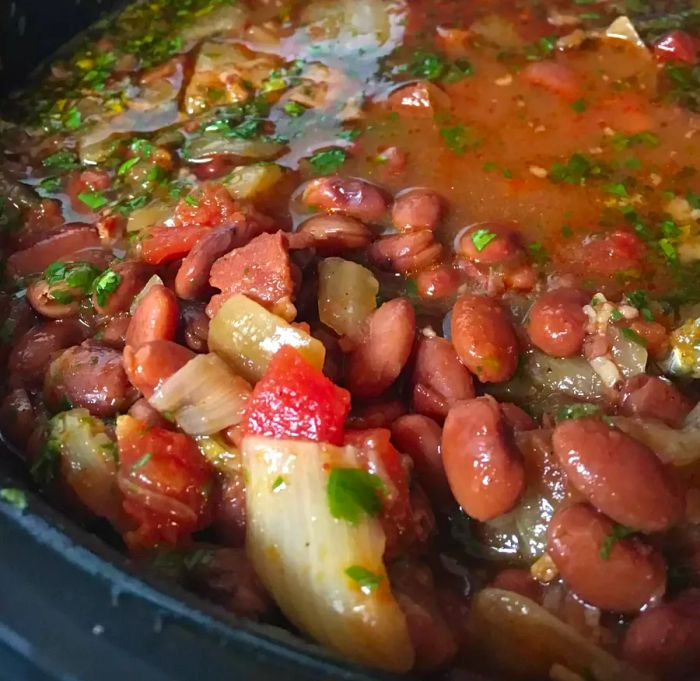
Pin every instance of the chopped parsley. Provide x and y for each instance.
(127, 165)
(77, 275)
(353, 493)
(541, 49)
(481, 238)
(61, 160)
(141, 462)
(632, 336)
(570, 412)
(294, 109)
(617, 533)
(538, 253)
(278, 483)
(428, 65)
(577, 169)
(580, 105)
(106, 284)
(459, 138)
(50, 184)
(327, 161)
(93, 200)
(367, 581)
(639, 299)
(72, 119)
(15, 497)
(349, 135)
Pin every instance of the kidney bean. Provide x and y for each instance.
(484, 338)
(484, 467)
(32, 352)
(59, 246)
(375, 414)
(620, 575)
(439, 378)
(155, 317)
(557, 323)
(405, 253)
(419, 437)
(17, 417)
(516, 418)
(230, 510)
(420, 99)
(654, 397)
(142, 411)
(330, 234)
(394, 160)
(113, 332)
(619, 475)
(133, 277)
(350, 196)
(666, 639)
(377, 362)
(489, 243)
(153, 363)
(196, 328)
(192, 280)
(91, 376)
(441, 282)
(39, 297)
(416, 209)
(519, 581)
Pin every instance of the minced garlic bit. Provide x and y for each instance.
(607, 371)
(544, 570)
(504, 80)
(556, 18)
(538, 171)
(601, 311)
(428, 332)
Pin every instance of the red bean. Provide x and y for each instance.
(666, 639)
(192, 280)
(230, 512)
(405, 253)
(516, 418)
(330, 234)
(484, 338)
(419, 437)
(17, 417)
(375, 414)
(32, 353)
(653, 397)
(196, 328)
(439, 378)
(155, 317)
(519, 581)
(89, 376)
(619, 475)
(380, 357)
(557, 323)
(353, 197)
(153, 363)
(417, 209)
(620, 575)
(133, 276)
(113, 332)
(441, 282)
(39, 295)
(484, 467)
(489, 243)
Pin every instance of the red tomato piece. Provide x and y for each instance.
(212, 207)
(557, 78)
(295, 401)
(165, 481)
(87, 182)
(676, 46)
(164, 244)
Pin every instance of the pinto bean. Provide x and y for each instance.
(58, 246)
(375, 414)
(557, 323)
(619, 475)
(350, 196)
(113, 332)
(89, 376)
(142, 411)
(666, 639)
(441, 282)
(519, 581)
(484, 338)
(133, 276)
(489, 243)
(377, 362)
(621, 575)
(153, 363)
(155, 317)
(405, 253)
(419, 437)
(439, 378)
(484, 467)
(654, 397)
(39, 297)
(192, 280)
(32, 352)
(417, 209)
(331, 234)
(17, 419)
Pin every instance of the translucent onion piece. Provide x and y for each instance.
(156, 213)
(88, 461)
(521, 638)
(301, 552)
(203, 397)
(155, 280)
(209, 145)
(623, 29)
(630, 357)
(247, 335)
(347, 295)
(248, 181)
(223, 456)
(676, 447)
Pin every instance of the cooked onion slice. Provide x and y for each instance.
(324, 572)
(203, 397)
(673, 446)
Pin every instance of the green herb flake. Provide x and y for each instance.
(570, 412)
(15, 497)
(349, 135)
(72, 119)
(367, 581)
(639, 299)
(429, 65)
(538, 253)
(61, 160)
(93, 200)
(577, 169)
(141, 462)
(294, 109)
(481, 238)
(580, 105)
(279, 483)
(106, 284)
(353, 493)
(632, 336)
(459, 138)
(50, 184)
(617, 533)
(127, 165)
(457, 71)
(617, 189)
(327, 161)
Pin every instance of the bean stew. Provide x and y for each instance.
(380, 318)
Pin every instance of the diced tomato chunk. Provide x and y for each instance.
(164, 244)
(676, 46)
(384, 459)
(557, 78)
(212, 207)
(259, 270)
(618, 252)
(294, 400)
(166, 482)
(86, 182)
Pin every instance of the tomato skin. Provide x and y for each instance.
(295, 401)
(164, 244)
(676, 46)
(165, 481)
